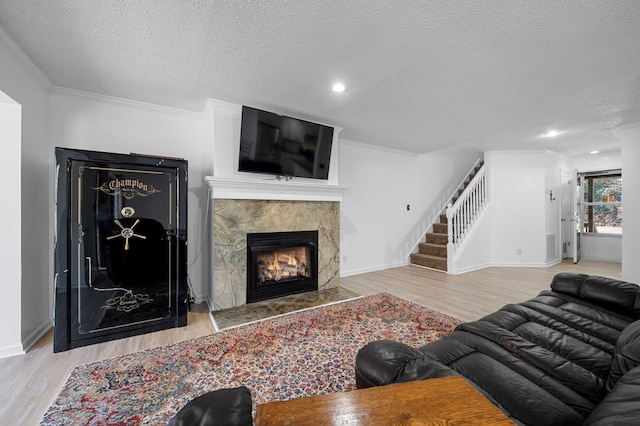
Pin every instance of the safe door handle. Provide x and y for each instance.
(88, 260)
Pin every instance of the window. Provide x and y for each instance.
(603, 202)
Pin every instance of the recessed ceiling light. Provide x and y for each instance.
(551, 134)
(338, 87)
(594, 152)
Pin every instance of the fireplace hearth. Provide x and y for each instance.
(281, 263)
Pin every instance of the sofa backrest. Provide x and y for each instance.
(619, 296)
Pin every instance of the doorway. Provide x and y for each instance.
(566, 193)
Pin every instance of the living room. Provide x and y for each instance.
(377, 229)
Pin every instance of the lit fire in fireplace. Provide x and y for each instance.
(274, 266)
(281, 263)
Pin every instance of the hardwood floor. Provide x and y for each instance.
(472, 295)
(30, 382)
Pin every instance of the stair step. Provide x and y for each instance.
(440, 228)
(438, 250)
(429, 261)
(443, 218)
(434, 238)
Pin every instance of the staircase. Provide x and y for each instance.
(433, 252)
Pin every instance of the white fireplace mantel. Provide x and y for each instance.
(272, 189)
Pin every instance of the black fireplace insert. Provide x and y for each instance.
(281, 263)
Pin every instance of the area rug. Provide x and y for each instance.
(295, 355)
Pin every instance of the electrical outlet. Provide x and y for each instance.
(344, 259)
(519, 252)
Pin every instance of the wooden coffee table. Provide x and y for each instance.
(447, 400)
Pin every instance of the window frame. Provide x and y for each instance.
(588, 202)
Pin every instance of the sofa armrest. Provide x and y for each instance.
(224, 407)
(622, 405)
(384, 362)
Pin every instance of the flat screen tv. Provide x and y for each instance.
(283, 146)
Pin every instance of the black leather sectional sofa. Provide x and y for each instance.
(570, 356)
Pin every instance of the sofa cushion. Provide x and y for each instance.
(223, 407)
(626, 355)
(620, 406)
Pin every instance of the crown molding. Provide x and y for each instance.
(372, 147)
(16, 52)
(218, 105)
(123, 101)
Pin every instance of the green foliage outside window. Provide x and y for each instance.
(603, 204)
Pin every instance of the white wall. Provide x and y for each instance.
(85, 121)
(518, 221)
(377, 231)
(597, 162)
(602, 247)
(25, 84)
(631, 203)
(226, 120)
(10, 244)
(513, 229)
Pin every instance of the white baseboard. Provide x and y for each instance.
(13, 350)
(35, 335)
(372, 269)
(520, 265)
(474, 268)
(552, 262)
(27, 343)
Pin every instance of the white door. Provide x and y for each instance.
(576, 216)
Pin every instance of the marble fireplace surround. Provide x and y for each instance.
(242, 206)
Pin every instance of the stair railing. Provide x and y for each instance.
(462, 214)
(446, 203)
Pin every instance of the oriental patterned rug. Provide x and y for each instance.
(295, 355)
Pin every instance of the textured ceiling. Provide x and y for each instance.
(420, 75)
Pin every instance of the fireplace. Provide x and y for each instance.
(281, 263)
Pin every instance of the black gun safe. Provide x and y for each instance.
(120, 247)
